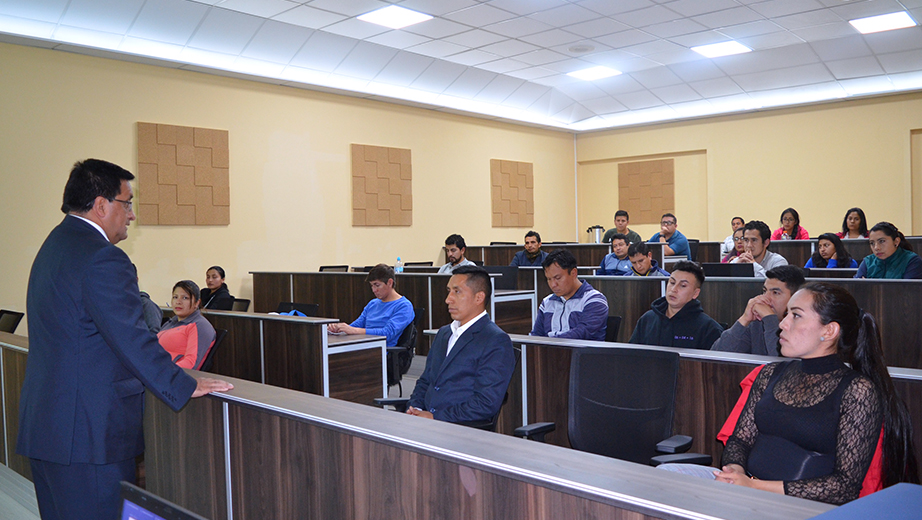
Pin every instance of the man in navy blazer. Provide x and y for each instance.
(470, 364)
(91, 354)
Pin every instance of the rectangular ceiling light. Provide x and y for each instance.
(884, 22)
(716, 50)
(394, 17)
(594, 73)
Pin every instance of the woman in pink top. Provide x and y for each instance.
(790, 227)
(188, 335)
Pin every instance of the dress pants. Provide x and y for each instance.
(80, 491)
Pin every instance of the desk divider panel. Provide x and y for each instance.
(14, 373)
(796, 252)
(629, 297)
(294, 357)
(238, 354)
(356, 376)
(269, 289)
(708, 252)
(340, 295)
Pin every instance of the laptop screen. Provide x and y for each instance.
(138, 504)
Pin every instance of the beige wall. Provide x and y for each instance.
(821, 160)
(289, 164)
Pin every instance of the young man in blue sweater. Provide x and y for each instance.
(386, 315)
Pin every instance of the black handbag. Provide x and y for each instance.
(776, 458)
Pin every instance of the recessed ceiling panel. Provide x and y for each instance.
(170, 21)
(225, 31)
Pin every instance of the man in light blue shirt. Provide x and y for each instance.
(676, 243)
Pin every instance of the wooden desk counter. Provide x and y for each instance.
(261, 452)
(14, 350)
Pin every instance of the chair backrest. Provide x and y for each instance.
(418, 264)
(622, 401)
(9, 320)
(338, 268)
(307, 309)
(693, 249)
(612, 326)
(501, 243)
(208, 362)
(241, 305)
(509, 275)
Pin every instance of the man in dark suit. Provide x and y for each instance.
(471, 360)
(91, 354)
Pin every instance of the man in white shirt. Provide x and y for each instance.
(454, 253)
(756, 238)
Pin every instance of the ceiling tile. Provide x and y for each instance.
(850, 47)
(608, 7)
(225, 31)
(540, 57)
(582, 90)
(783, 78)
(624, 38)
(619, 85)
(437, 7)
(472, 57)
(277, 42)
(901, 61)
(595, 28)
(438, 76)
(828, 31)
(550, 38)
(852, 10)
(809, 19)
(634, 64)
(771, 40)
(323, 51)
(355, 28)
(518, 27)
(775, 8)
(170, 21)
(700, 38)
(676, 56)
(499, 89)
(437, 48)
(263, 8)
(658, 77)
(676, 93)
(556, 80)
(569, 65)
(698, 7)
(398, 39)
(469, 83)
(675, 28)
(639, 99)
(751, 29)
(653, 47)
(479, 15)
(42, 10)
(365, 60)
(403, 69)
(895, 41)
(475, 38)
(649, 16)
(350, 8)
(309, 17)
(114, 18)
(716, 87)
(697, 71)
(436, 28)
(855, 67)
(767, 60)
(502, 66)
(525, 95)
(597, 48)
(727, 18)
(604, 105)
(509, 48)
(531, 73)
(523, 7)
(566, 14)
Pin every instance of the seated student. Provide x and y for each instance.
(790, 227)
(642, 262)
(388, 314)
(574, 310)
(454, 253)
(617, 262)
(676, 320)
(892, 255)
(532, 256)
(756, 331)
(738, 247)
(756, 238)
(216, 296)
(787, 441)
(830, 253)
(729, 244)
(188, 335)
(854, 225)
(621, 221)
(471, 361)
(676, 243)
(153, 316)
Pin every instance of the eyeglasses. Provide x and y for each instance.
(127, 203)
(737, 239)
(667, 223)
(788, 219)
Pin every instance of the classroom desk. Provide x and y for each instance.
(585, 254)
(262, 452)
(14, 350)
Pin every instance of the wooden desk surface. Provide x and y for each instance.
(340, 340)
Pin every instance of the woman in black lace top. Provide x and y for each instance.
(811, 425)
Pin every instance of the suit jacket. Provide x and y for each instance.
(470, 383)
(90, 354)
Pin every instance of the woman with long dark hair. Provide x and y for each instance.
(215, 295)
(738, 246)
(830, 253)
(891, 255)
(790, 227)
(854, 225)
(811, 425)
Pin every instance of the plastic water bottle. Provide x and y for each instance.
(398, 267)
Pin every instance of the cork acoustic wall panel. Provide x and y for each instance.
(513, 193)
(381, 186)
(646, 189)
(183, 176)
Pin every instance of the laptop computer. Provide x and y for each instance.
(138, 504)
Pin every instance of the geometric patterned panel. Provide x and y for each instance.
(382, 192)
(183, 176)
(513, 191)
(646, 189)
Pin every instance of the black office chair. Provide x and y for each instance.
(417, 264)
(336, 268)
(241, 305)
(400, 356)
(612, 327)
(208, 363)
(621, 405)
(307, 309)
(499, 243)
(9, 320)
(693, 249)
(478, 262)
